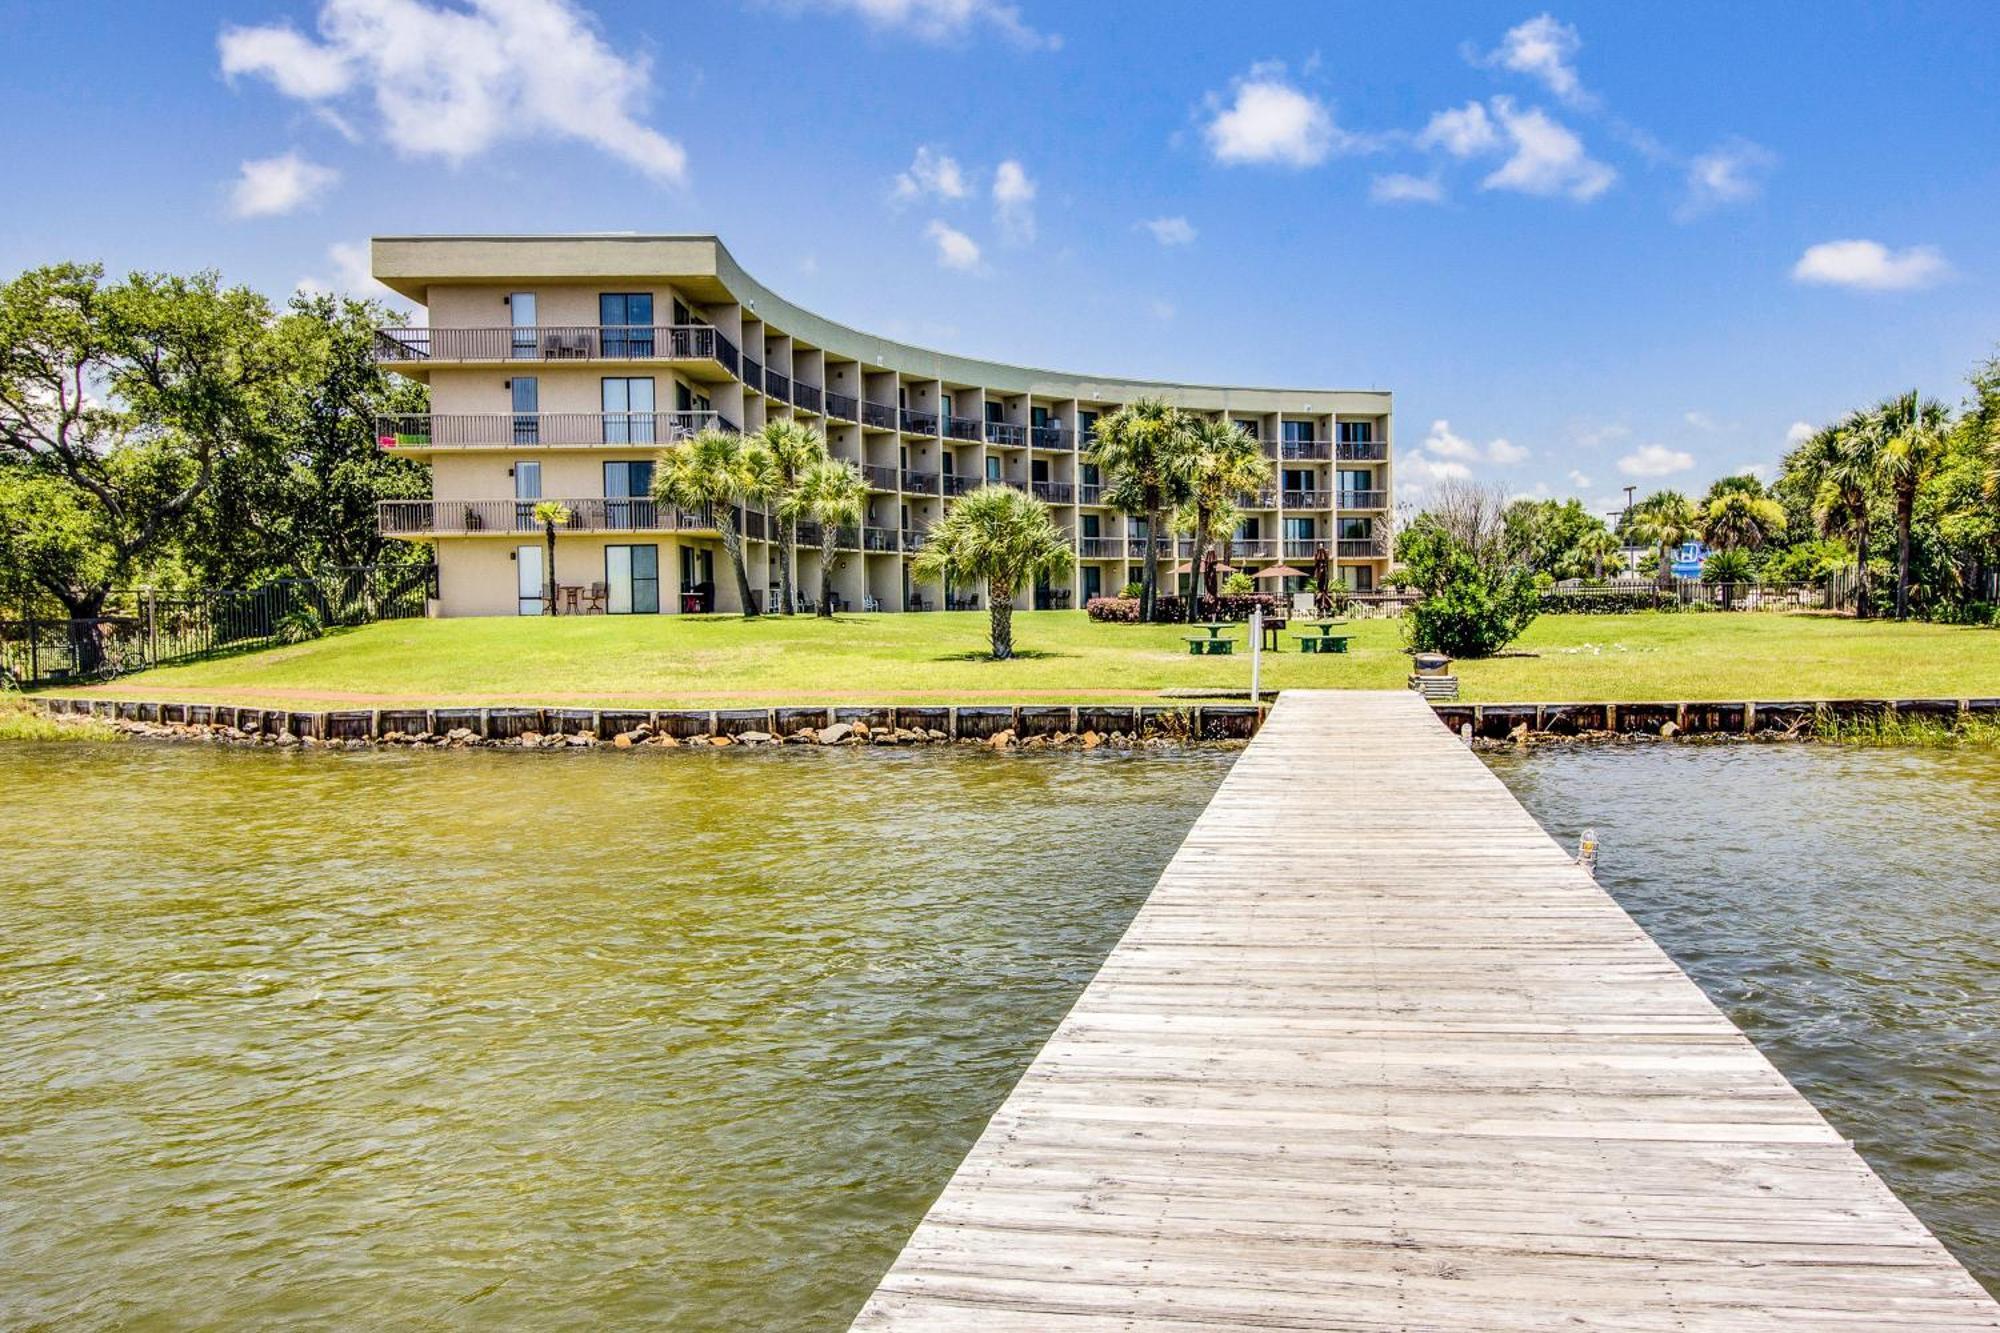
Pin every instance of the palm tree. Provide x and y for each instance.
(1845, 460)
(1665, 519)
(1139, 448)
(1222, 461)
(715, 472)
(1737, 520)
(791, 447)
(1597, 545)
(998, 535)
(832, 492)
(1917, 434)
(551, 514)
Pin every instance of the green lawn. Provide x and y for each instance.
(716, 661)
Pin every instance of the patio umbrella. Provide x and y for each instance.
(1279, 572)
(1187, 567)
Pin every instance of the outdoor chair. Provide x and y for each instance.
(598, 592)
(870, 602)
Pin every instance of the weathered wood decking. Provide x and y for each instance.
(1375, 1055)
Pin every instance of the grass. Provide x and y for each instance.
(1976, 733)
(19, 722)
(719, 660)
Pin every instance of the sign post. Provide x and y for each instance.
(1256, 651)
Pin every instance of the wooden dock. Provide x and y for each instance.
(1376, 1055)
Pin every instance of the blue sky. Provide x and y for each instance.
(1606, 244)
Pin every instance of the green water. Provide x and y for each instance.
(473, 1040)
(1842, 906)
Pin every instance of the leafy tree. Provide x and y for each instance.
(551, 514)
(1730, 565)
(1916, 433)
(1141, 448)
(1664, 520)
(1841, 463)
(1470, 607)
(1549, 536)
(1597, 546)
(716, 472)
(51, 544)
(1802, 562)
(1737, 519)
(1221, 461)
(1001, 537)
(832, 492)
(792, 448)
(133, 393)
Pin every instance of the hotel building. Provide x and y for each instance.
(559, 366)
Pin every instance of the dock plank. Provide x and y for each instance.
(1393, 1061)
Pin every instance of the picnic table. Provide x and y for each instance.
(1323, 639)
(1214, 643)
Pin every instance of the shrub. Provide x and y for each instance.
(1169, 608)
(1238, 585)
(1471, 608)
(298, 625)
(1133, 589)
(1728, 567)
(1113, 610)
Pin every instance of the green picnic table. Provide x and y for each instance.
(1323, 639)
(1214, 644)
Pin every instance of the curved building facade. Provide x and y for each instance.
(559, 366)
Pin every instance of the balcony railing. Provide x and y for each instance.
(1308, 499)
(913, 538)
(805, 397)
(559, 342)
(778, 386)
(920, 481)
(1363, 548)
(879, 477)
(527, 430)
(423, 518)
(1048, 437)
(753, 373)
(954, 484)
(1257, 500)
(878, 539)
(1054, 492)
(1364, 499)
(842, 406)
(1303, 548)
(962, 428)
(1305, 450)
(878, 415)
(919, 423)
(1000, 432)
(1100, 548)
(1007, 481)
(1090, 493)
(1364, 451)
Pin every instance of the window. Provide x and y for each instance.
(526, 391)
(521, 312)
(1090, 525)
(1356, 529)
(627, 319)
(632, 577)
(1298, 479)
(628, 411)
(1357, 432)
(528, 588)
(1248, 426)
(1038, 470)
(1356, 479)
(992, 412)
(628, 494)
(1086, 425)
(1093, 582)
(1039, 417)
(527, 490)
(1298, 530)
(1090, 474)
(1250, 529)
(993, 470)
(1297, 432)
(945, 400)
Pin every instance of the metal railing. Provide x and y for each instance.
(1000, 432)
(1048, 437)
(1364, 499)
(1363, 451)
(1367, 548)
(843, 406)
(1089, 493)
(919, 423)
(920, 481)
(448, 430)
(1252, 548)
(879, 477)
(913, 538)
(1305, 450)
(1054, 492)
(955, 484)
(878, 415)
(1308, 499)
(1100, 548)
(962, 428)
(1265, 499)
(778, 386)
(559, 342)
(753, 373)
(879, 539)
(1303, 547)
(452, 518)
(805, 397)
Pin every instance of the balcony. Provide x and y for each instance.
(1363, 548)
(1054, 492)
(579, 342)
(878, 477)
(919, 423)
(778, 386)
(999, 432)
(1364, 499)
(954, 484)
(458, 518)
(842, 406)
(805, 397)
(1266, 499)
(913, 538)
(1100, 548)
(1296, 451)
(753, 373)
(1048, 437)
(961, 428)
(878, 417)
(923, 482)
(879, 539)
(1308, 499)
(1253, 548)
(1303, 548)
(541, 430)
(1090, 493)
(1364, 451)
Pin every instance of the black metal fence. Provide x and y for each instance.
(144, 627)
(1830, 594)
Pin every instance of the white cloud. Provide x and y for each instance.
(1590, 437)
(453, 82)
(1446, 443)
(1757, 470)
(1163, 310)
(1547, 158)
(1869, 266)
(1505, 451)
(1014, 202)
(1655, 460)
(1401, 188)
(939, 20)
(1543, 48)
(273, 186)
(1269, 120)
(1730, 173)
(1171, 231)
(1418, 471)
(352, 275)
(1700, 420)
(1799, 432)
(954, 248)
(1579, 480)
(1462, 132)
(932, 174)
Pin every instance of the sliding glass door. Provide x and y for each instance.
(628, 494)
(628, 410)
(528, 564)
(632, 574)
